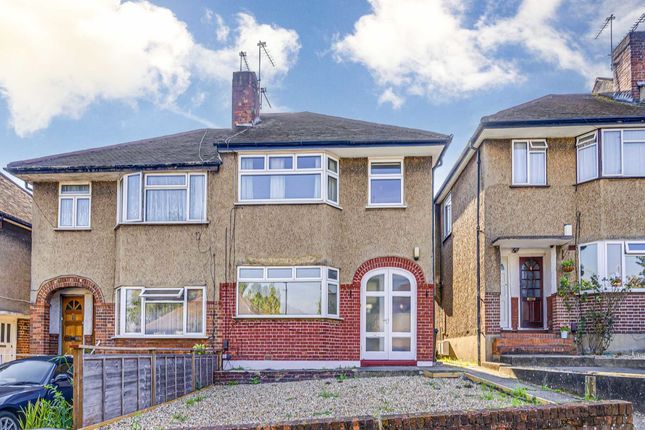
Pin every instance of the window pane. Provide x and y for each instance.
(332, 299)
(252, 273)
(587, 163)
(66, 212)
(252, 163)
(614, 260)
(332, 165)
(385, 168)
(195, 310)
(197, 186)
(255, 298)
(332, 274)
(386, 191)
(134, 197)
(132, 311)
(165, 205)
(635, 269)
(400, 283)
(75, 189)
(401, 314)
(332, 189)
(164, 318)
(83, 212)
(374, 314)
(611, 160)
(538, 167)
(280, 162)
(279, 273)
(401, 344)
(634, 159)
(303, 298)
(636, 247)
(634, 135)
(256, 187)
(301, 186)
(309, 162)
(307, 272)
(117, 306)
(520, 175)
(376, 283)
(588, 261)
(374, 344)
(166, 180)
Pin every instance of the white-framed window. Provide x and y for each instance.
(163, 197)
(447, 216)
(529, 162)
(161, 312)
(74, 206)
(386, 187)
(587, 157)
(623, 152)
(288, 178)
(613, 259)
(287, 292)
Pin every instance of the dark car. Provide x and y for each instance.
(23, 381)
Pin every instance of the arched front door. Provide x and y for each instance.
(388, 315)
(73, 310)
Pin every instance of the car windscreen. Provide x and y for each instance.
(25, 372)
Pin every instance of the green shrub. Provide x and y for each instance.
(55, 413)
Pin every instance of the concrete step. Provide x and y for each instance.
(552, 360)
(529, 344)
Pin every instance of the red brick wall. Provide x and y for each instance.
(515, 313)
(491, 313)
(22, 337)
(319, 338)
(245, 101)
(629, 58)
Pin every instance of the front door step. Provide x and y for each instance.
(533, 343)
(379, 363)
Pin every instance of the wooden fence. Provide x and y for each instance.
(109, 382)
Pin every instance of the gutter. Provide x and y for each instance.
(14, 220)
(333, 144)
(116, 168)
(478, 256)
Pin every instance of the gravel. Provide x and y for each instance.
(265, 403)
(639, 421)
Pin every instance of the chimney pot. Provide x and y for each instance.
(245, 99)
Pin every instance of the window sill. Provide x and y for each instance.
(73, 229)
(617, 177)
(294, 203)
(386, 206)
(134, 336)
(162, 223)
(529, 186)
(285, 317)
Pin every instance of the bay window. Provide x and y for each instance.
(447, 216)
(74, 206)
(300, 291)
(623, 152)
(163, 197)
(158, 312)
(288, 178)
(529, 162)
(613, 260)
(587, 157)
(385, 182)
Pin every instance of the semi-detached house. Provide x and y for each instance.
(288, 240)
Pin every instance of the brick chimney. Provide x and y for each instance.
(246, 102)
(629, 66)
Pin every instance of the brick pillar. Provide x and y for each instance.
(515, 313)
(39, 328)
(22, 337)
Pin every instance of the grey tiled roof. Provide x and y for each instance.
(567, 107)
(184, 149)
(14, 201)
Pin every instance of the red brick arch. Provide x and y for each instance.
(396, 262)
(49, 287)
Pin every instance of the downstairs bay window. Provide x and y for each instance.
(288, 178)
(288, 292)
(161, 312)
(613, 260)
(162, 198)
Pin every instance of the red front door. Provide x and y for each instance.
(531, 292)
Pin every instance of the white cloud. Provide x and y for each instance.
(222, 30)
(59, 57)
(428, 48)
(389, 96)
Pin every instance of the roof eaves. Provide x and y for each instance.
(15, 220)
(114, 168)
(333, 144)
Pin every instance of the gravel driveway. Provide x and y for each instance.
(263, 403)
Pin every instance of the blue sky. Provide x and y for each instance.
(84, 73)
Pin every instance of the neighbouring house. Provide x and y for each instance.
(288, 240)
(559, 177)
(15, 267)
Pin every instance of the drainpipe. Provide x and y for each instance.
(478, 253)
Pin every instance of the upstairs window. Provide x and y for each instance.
(287, 292)
(159, 198)
(74, 206)
(529, 162)
(623, 152)
(288, 178)
(587, 157)
(386, 182)
(447, 216)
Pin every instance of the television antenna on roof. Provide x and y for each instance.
(262, 47)
(637, 23)
(243, 61)
(609, 21)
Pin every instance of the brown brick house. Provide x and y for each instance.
(290, 240)
(559, 177)
(15, 262)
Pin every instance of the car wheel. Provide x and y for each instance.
(8, 421)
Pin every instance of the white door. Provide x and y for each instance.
(504, 297)
(7, 340)
(388, 315)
